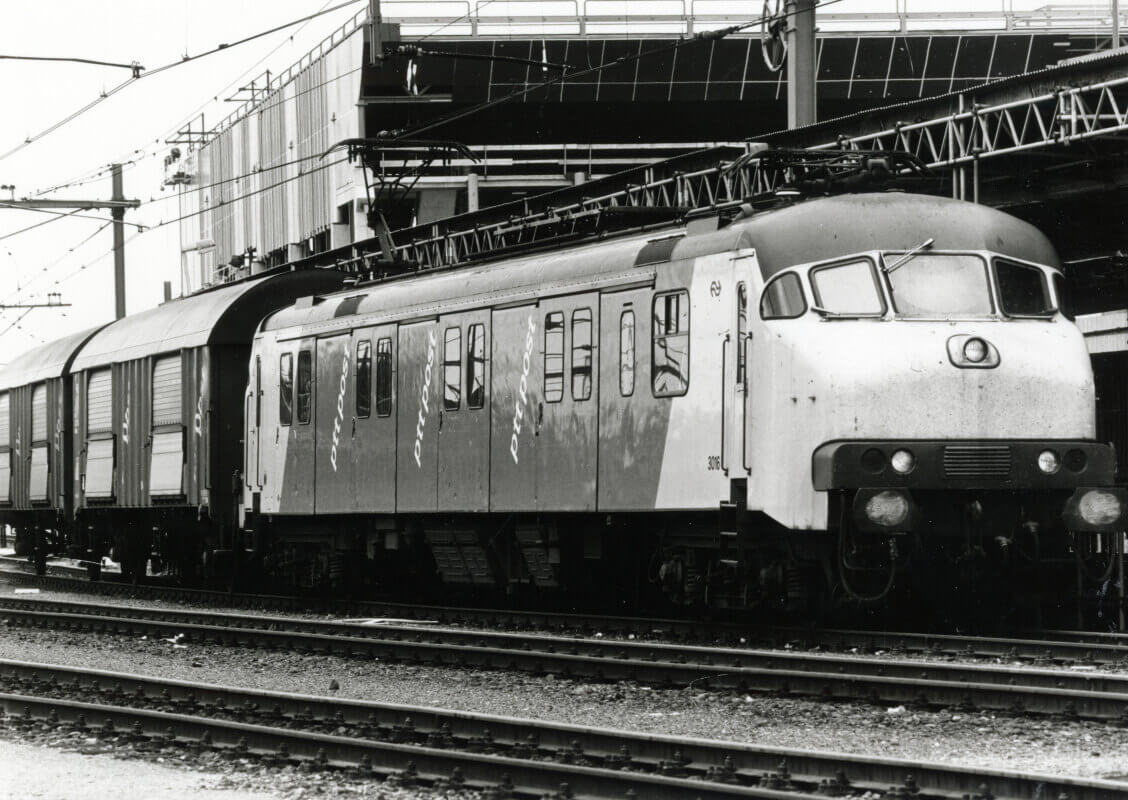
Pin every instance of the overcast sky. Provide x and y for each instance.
(133, 124)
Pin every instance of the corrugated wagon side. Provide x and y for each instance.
(35, 454)
(158, 422)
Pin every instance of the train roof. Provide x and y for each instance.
(224, 315)
(50, 360)
(816, 230)
(800, 233)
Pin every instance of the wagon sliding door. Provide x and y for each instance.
(464, 413)
(373, 448)
(37, 479)
(166, 466)
(335, 425)
(98, 471)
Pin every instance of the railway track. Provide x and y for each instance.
(1090, 695)
(436, 746)
(1060, 647)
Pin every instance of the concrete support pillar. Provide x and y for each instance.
(472, 192)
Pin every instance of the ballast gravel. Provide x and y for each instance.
(972, 739)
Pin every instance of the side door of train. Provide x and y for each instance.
(695, 341)
(373, 448)
(567, 411)
(288, 437)
(420, 398)
(334, 425)
(464, 415)
(515, 381)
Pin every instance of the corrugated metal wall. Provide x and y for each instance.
(5, 421)
(100, 402)
(39, 413)
(167, 391)
(261, 183)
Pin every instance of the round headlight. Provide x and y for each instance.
(1075, 460)
(1099, 508)
(975, 349)
(903, 461)
(873, 460)
(1048, 462)
(887, 509)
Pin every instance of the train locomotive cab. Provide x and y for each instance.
(940, 402)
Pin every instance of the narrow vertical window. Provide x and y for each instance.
(305, 386)
(581, 354)
(554, 357)
(741, 331)
(286, 389)
(364, 378)
(627, 353)
(384, 377)
(452, 369)
(476, 367)
(670, 354)
(258, 391)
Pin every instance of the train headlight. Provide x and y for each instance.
(1075, 460)
(903, 461)
(887, 509)
(975, 350)
(1099, 507)
(1049, 462)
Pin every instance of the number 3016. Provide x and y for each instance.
(713, 462)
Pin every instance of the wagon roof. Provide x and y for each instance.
(50, 360)
(225, 315)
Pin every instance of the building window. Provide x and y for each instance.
(627, 353)
(305, 386)
(286, 388)
(364, 379)
(670, 356)
(384, 377)
(581, 354)
(452, 369)
(476, 367)
(554, 357)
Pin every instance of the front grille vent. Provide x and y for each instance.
(977, 461)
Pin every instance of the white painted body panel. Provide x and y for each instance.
(816, 380)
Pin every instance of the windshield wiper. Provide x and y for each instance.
(904, 259)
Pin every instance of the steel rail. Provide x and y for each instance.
(972, 687)
(1041, 647)
(703, 759)
(364, 757)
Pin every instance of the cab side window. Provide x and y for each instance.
(384, 377)
(783, 298)
(669, 373)
(363, 378)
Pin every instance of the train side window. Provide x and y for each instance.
(364, 379)
(848, 288)
(627, 353)
(476, 367)
(258, 391)
(741, 329)
(305, 386)
(783, 298)
(452, 369)
(1064, 297)
(384, 377)
(581, 354)
(669, 366)
(1022, 290)
(554, 357)
(286, 388)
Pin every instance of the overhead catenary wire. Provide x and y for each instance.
(134, 66)
(150, 73)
